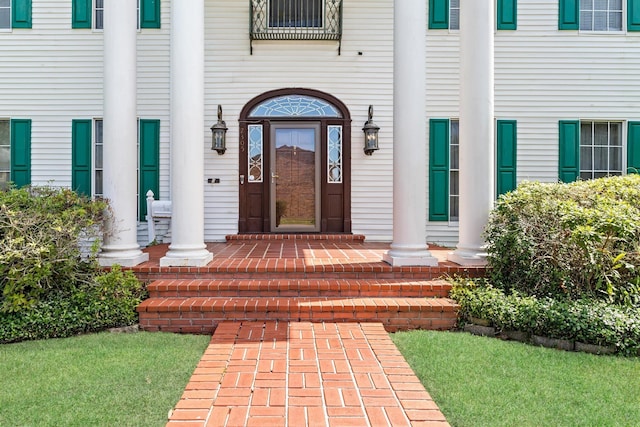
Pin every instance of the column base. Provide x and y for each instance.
(468, 257)
(186, 257)
(409, 256)
(123, 257)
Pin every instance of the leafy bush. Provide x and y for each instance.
(40, 233)
(109, 301)
(568, 240)
(587, 321)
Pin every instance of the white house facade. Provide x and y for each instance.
(117, 97)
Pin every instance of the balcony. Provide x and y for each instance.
(296, 20)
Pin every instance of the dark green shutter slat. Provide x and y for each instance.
(507, 137)
(568, 14)
(438, 14)
(507, 14)
(21, 152)
(438, 170)
(21, 14)
(569, 150)
(633, 15)
(149, 162)
(150, 14)
(81, 13)
(81, 156)
(633, 148)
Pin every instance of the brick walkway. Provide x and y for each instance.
(303, 374)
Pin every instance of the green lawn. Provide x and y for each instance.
(96, 380)
(480, 381)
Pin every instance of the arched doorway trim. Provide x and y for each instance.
(321, 125)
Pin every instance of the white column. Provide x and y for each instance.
(187, 136)
(409, 245)
(120, 135)
(477, 185)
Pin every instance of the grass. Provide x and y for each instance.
(480, 381)
(96, 380)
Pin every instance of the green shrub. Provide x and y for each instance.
(568, 240)
(109, 301)
(41, 230)
(588, 321)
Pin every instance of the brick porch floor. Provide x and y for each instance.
(304, 374)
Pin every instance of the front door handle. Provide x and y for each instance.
(274, 177)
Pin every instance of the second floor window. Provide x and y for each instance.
(295, 13)
(601, 15)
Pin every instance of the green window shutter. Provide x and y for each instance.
(507, 137)
(21, 14)
(633, 15)
(81, 13)
(633, 148)
(21, 152)
(507, 14)
(568, 14)
(81, 156)
(438, 170)
(569, 150)
(150, 13)
(149, 162)
(438, 14)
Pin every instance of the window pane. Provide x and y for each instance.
(601, 4)
(600, 159)
(454, 183)
(586, 163)
(586, 4)
(615, 4)
(454, 14)
(5, 158)
(585, 133)
(601, 134)
(5, 18)
(586, 175)
(600, 21)
(615, 134)
(4, 133)
(615, 159)
(454, 208)
(454, 156)
(615, 21)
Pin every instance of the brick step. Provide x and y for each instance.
(298, 288)
(296, 269)
(202, 314)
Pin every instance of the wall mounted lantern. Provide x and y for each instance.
(219, 134)
(370, 130)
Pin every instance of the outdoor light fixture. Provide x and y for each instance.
(370, 130)
(219, 134)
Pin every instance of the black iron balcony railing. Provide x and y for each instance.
(295, 20)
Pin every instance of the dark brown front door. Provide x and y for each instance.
(294, 171)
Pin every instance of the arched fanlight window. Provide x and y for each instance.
(295, 106)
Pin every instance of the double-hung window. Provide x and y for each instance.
(87, 154)
(600, 149)
(591, 149)
(444, 165)
(5, 14)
